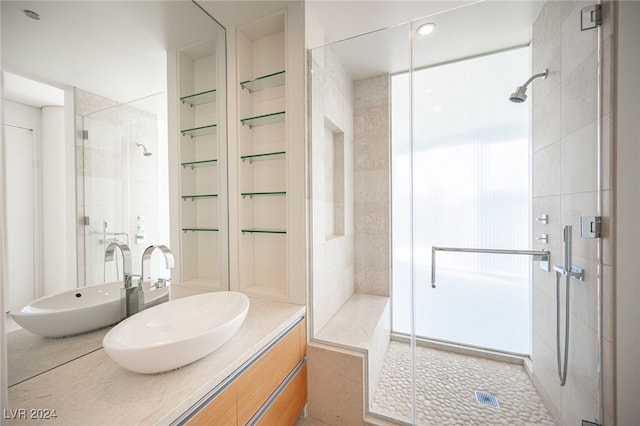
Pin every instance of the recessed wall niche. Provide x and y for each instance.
(202, 161)
(263, 146)
(334, 181)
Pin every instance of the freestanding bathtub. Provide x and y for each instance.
(72, 312)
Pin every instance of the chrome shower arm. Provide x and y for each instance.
(542, 254)
(543, 74)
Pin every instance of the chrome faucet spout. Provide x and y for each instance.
(126, 260)
(146, 259)
(130, 295)
(155, 293)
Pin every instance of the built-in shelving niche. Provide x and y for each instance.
(201, 210)
(262, 161)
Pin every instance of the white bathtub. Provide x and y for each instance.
(72, 312)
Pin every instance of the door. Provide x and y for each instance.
(487, 173)
(470, 157)
(20, 168)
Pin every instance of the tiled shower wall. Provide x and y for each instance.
(372, 185)
(357, 115)
(333, 254)
(565, 186)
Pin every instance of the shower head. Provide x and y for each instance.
(145, 151)
(520, 95)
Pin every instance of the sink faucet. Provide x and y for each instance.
(126, 260)
(146, 259)
(157, 292)
(131, 295)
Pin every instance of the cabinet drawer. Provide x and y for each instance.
(223, 410)
(261, 379)
(287, 407)
(247, 393)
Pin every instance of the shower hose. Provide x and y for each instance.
(562, 366)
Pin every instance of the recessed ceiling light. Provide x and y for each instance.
(31, 14)
(426, 29)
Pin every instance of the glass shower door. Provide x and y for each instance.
(488, 173)
(471, 190)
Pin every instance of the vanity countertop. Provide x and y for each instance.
(94, 390)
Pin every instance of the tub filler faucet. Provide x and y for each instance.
(130, 293)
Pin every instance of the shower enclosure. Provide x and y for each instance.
(416, 145)
(124, 176)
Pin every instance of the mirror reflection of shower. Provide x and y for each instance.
(125, 182)
(145, 151)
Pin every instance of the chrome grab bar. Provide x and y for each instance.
(542, 254)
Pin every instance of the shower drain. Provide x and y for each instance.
(485, 398)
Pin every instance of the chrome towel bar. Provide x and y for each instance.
(542, 254)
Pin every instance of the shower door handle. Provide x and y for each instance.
(543, 256)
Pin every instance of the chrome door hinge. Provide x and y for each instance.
(591, 226)
(591, 17)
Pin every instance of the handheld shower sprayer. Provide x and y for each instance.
(568, 270)
(520, 95)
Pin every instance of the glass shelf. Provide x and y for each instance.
(200, 229)
(265, 82)
(265, 156)
(263, 120)
(200, 131)
(253, 194)
(199, 196)
(200, 98)
(263, 231)
(202, 163)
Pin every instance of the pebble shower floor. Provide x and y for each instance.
(445, 386)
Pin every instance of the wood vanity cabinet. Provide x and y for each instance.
(272, 390)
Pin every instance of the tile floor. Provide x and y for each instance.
(445, 384)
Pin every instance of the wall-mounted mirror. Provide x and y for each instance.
(95, 153)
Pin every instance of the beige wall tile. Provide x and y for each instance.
(579, 95)
(546, 171)
(335, 386)
(545, 375)
(547, 111)
(580, 160)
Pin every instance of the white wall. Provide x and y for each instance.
(55, 202)
(28, 241)
(55, 197)
(627, 214)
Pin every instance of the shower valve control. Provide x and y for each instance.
(543, 219)
(590, 226)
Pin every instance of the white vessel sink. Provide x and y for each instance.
(176, 333)
(72, 312)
